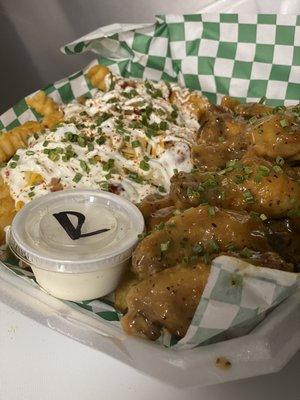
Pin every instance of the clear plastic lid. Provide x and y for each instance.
(76, 231)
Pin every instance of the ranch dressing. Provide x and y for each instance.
(77, 242)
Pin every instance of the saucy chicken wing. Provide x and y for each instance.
(221, 139)
(197, 232)
(166, 300)
(277, 135)
(252, 184)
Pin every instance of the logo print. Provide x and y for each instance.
(74, 232)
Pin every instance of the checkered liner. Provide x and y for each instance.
(236, 298)
(245, 56)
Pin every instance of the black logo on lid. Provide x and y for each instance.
(75, 232)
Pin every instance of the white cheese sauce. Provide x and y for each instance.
(128, 140)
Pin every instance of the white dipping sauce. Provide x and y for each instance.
(77, 242)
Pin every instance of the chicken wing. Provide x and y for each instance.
(277, 135)
(197, 232)
(222, 138)
(166, 300)
(252, 184)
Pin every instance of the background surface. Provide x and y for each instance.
(32, 31)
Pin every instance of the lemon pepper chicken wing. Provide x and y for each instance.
(199, 231)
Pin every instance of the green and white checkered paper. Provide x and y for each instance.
(244, 56)
(236, 298)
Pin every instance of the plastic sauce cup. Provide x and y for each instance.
(77, 242)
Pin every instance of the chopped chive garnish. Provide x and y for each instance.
(142, 236)
(277, 168)
(31, 194)
(46, 142)
(246, 252)
(108, 165)
(15, 157)
(248, 196)
(263, 217)
(84, 166)
(210, 183)
(263, 170)
(231, 247)
(192, 192)
(163, 125)
(284, 123)
(81, 141)
(90, 147)
(144, 165)
(211, 211)
(198, 248)
(175, 171)
(247, 170)
(101, 140)
(135, 177)
(239, 179)
(102, 118)
(165, 246)
(13, 164)
(112, 100)
(206, 258)
(214, 245)
(92, 161)
(77, 177)
(160, 226)
(135, 143)
(29, 153)
(253, 120)
(161, 189)
(279, 161)
(185, 260)
(53, 156)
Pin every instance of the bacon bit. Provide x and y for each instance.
(128, 84)
(7, 173)
(116, 189)
(137, 111)
(55, 185)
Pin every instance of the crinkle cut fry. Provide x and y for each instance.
(16, 139)
(97, 75)
(7, 209)
(47, 107)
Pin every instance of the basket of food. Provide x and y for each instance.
(165, 174)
